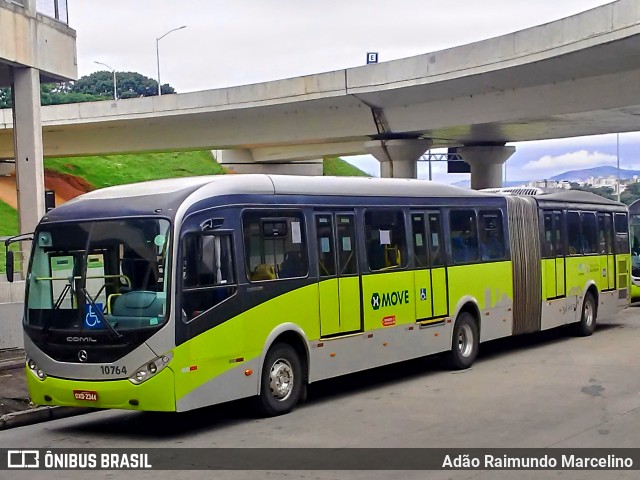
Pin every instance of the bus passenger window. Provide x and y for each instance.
(491, 235)
(622, 232)
(548, 250)
(208, 276)
(589, 233)
(558, 244)
(326, 251)
(573, 233)
(346, 230)
(464, 236)
(605, 239)
(385, 237)
(420, 244)
(275, 245)
(435, 240)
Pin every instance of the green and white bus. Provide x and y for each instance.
(176, 294)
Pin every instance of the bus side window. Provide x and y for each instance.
(385, 236)
(622, 233)
(605, 237)
(420, 243)
(557, 235)
(491, 235)
(326, 251)
(275, 245)
(589, 236)
(208, 276)
(548, 250)
(573, 233)
(464, 236)
(436, 244)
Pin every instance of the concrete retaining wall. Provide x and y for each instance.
(11, 309)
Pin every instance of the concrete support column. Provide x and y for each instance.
(28, 147)
(241, 161)
(486, 164)
(398, 158)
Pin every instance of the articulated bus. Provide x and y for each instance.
(176, 294)
(634, 230)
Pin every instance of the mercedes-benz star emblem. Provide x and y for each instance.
(82, 355)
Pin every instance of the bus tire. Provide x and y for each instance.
(282, 381)
(587, 323)
(464, 344)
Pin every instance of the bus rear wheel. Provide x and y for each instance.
(282, 381)
(465, 343)
(587, 323)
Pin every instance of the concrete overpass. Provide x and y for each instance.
(575, 76)
(36, 44)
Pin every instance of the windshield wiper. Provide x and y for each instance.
(101, 316)
(47, 321)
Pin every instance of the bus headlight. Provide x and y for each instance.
(37, 371)
(150, 369)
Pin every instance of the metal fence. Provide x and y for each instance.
(54, 8)
(11, 310)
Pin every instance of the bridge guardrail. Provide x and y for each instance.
(53, 8)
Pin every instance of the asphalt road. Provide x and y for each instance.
(543, 390)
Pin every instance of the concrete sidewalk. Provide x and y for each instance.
(14, 396)
(16, 409)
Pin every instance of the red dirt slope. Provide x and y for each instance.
(66, 187)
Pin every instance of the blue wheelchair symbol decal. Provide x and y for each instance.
(91, 319)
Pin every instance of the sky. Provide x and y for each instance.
(238, 42)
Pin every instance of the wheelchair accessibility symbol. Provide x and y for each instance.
(91, 319)
(423, 294)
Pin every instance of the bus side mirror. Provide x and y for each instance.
(9, 265)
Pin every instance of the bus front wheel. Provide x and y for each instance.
(587, 323)
(465, 343)
(282, 380)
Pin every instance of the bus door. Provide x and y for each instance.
(622, 251)
(430, 277)
(553, 263)
(605, 252)
(339, 284)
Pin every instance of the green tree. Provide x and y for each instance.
(630, 194)
(51, 94)
(129, 85)
(94, 87)
(59, 93)
(5, 98)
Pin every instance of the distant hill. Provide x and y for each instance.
(585, 173)
(581, 175)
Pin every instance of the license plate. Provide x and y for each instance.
(86, 395)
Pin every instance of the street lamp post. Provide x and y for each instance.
(158, 54)
(115, 86)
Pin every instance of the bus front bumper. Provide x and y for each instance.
(156, 394)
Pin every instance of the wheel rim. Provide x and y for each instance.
(281, 379)
(588, 313)
(465, 340)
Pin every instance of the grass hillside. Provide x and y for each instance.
(107, 170)
(339, 168)
(8, 220)
(8, 227)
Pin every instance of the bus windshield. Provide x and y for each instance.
(99, 275)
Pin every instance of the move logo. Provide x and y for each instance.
(389, 299)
